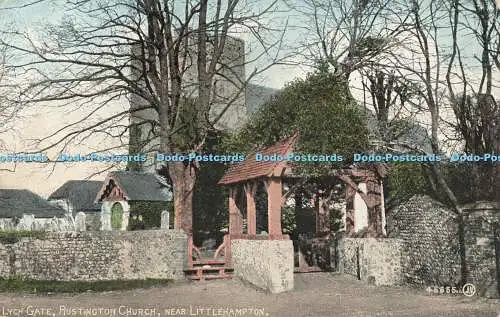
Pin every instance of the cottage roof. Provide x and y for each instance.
(250, 168)
(80, 194)
(16, 202)
(136, 186)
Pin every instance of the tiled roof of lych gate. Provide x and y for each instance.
(250, 168)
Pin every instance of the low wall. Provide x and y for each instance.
(107, 255)
(376, 261)
(267, 264)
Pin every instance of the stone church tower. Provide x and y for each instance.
(228, 87)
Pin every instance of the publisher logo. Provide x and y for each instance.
(469, 290)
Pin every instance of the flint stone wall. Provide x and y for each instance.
(109, 255)
(375, 261)
(429, 230)
(267, 264)
(430, 234)
(481, 219)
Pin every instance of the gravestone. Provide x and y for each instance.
(80, 221)
(165, 220)
(105, 219)
(26, 222)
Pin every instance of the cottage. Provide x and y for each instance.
(21, 209)
(76, 196)
(121, 190)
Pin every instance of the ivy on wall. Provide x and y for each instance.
(146, 215)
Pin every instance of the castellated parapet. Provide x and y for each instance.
(227, 95)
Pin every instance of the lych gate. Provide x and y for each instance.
(249, 174)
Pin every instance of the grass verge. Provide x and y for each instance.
(23, 285)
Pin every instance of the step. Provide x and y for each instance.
(206, 269)
(209, 262)
(208, 273)
(210, 276)
(307, 269)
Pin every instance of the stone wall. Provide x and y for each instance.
(267, 264)
(95, 255)
(429, 231)
(376, 261)
(481, 219)
(350, 256)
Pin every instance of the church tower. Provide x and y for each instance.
(228, 88)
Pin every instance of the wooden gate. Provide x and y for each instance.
(317, 254)
(209, 265)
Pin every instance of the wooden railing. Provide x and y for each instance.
(196, 257)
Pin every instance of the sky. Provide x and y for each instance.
(34, 16)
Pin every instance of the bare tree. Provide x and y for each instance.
(476, 110)
(86, 61)
(434, 60)
(346, 35)
(8, 108)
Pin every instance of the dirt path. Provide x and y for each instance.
(315, 295)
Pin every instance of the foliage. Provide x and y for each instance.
(303, 221)
(369, 46)
(463, 181)
(328, 120)
(147, 214)
(288, 221)
(321, 109)
(26, 285)
(188, 128)
(404, 180)
(8, 236)
(210, 202)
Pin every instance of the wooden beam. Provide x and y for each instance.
(274, 192)
(369, 201)
(235, 217)
(250, 190)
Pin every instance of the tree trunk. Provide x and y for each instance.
(322, 214)
(375, 229)
(183, 180)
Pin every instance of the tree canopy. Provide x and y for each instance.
(321, 109)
